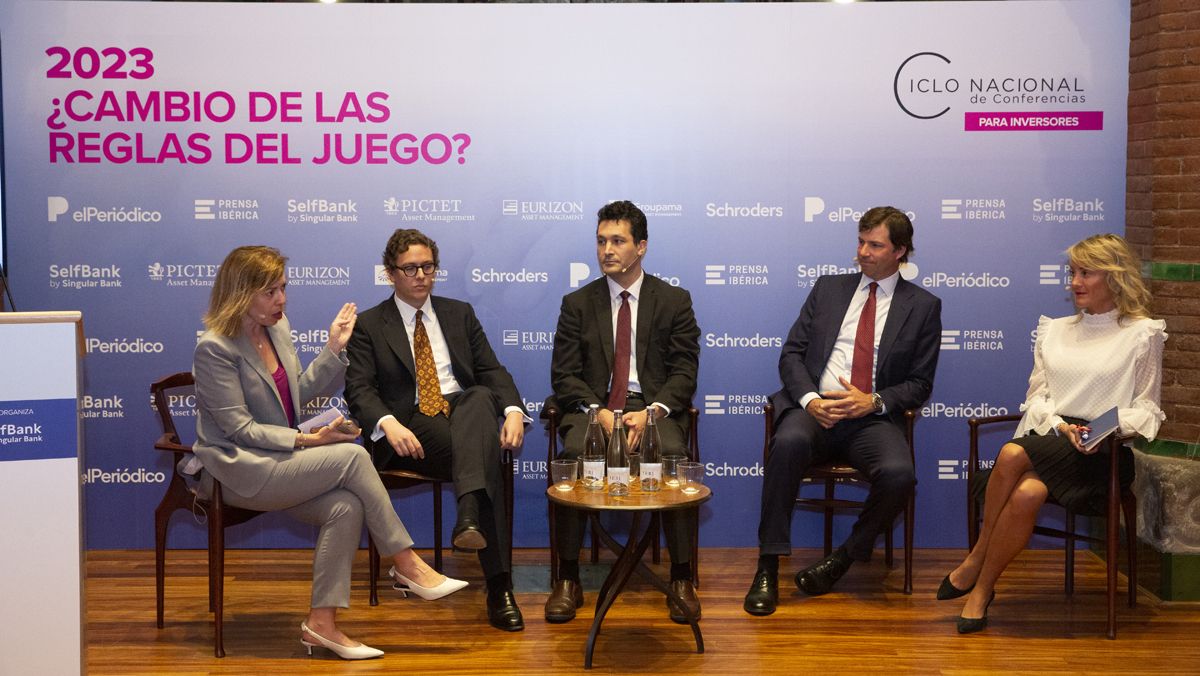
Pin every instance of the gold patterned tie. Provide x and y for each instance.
(429, 391)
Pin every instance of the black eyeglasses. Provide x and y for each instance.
(411, 270)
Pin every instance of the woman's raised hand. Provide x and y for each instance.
(342, 327)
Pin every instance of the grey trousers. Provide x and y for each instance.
(336, 488)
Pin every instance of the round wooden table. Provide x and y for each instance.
(629, 555)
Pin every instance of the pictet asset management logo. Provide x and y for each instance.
(426, 210)
(1067, 210)
(57, 206)
(734, 404)
(85, 276)
(973, 209)
(753, 274)
(985, 340)
(543, 210)
(382, 279)
(322, 210)
(814, 207)
(183, 274)
(179, 405)
(212, 209)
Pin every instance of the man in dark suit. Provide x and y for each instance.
(863, 350)
(427, 389)
(656, 377)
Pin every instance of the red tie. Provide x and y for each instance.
(620, 374)
(864, 345)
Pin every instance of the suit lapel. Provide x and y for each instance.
(646, 308)
(842, 298)
(898, 312)
(397, 336)
(282, 340)
(250, 356)
(602, 306)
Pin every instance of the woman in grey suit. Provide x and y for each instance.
(249, 387)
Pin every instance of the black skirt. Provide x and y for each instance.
(1076, 481)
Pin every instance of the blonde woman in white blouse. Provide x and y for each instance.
(1108, 354)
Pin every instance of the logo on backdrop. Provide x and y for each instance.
(734, 404)
(542, 210)
(736, 275)
(321, 210)
(1067, 210)
(122, 475)
(927, 86)
(729, 340)
(528, 341)
(756, 210)
(381, 276)
(530, 470)
(84, 276)
(973, 209)
(985, 340)
(522, 276)
(59, 206)
(579, 273)
(1054, 274)
(183, 274)
(180, 405)
(426, 210)
(206, 209)
(965, 409)
(964, 280)
(101, 407)
(311, 341)
(665, 210)
(321, 404)
(318, 275)
(952, 469)
(806, 275)
(123, 345)
(815, 206)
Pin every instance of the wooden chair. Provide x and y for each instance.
(1119, 501)
(831, 474)
(398, 479)
(552, 415)
(181, 496)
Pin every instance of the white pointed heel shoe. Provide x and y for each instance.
(358, 652)
(404, 586)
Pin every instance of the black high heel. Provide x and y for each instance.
(948, 591)
(970, 625)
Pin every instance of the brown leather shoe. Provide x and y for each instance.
(565, 597)
(691, 603)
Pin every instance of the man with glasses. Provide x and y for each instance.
(427, 389)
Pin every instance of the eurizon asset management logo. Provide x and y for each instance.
(927, 86)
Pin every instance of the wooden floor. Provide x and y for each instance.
(865, 625)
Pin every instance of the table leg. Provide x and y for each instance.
(627, 561)
(616, 548)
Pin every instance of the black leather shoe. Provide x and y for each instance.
(467, 536)
(970, 625)
(565, 597)
(948, 591)
(819, 578)
(763, 596)
(503, 612)
(691, 603)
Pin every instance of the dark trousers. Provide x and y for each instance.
(464, 449)
(873, 445)
(677, 524)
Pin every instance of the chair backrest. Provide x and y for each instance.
(169, 441)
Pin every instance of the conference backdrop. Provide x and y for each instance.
(146, 140)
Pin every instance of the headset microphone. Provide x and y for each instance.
(635, 259)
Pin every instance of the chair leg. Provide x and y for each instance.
(696, 550)
(437, 526)
(909, 518)
(508, 499)
(161, 520)
(373, 566)
(1129, 506)
(1069, 560)
(553, 544)
(656, 548)
(828, 517)
(216, 556)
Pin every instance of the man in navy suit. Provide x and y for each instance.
(863, 350)
(455, 438)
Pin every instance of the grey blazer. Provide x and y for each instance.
(241, 426)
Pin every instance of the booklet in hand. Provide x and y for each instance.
(326, 417)
(1100, 428)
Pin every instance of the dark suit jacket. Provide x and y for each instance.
(381, 377)
(908, 347)
(667, 350)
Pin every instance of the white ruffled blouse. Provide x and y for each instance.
(1083, 365)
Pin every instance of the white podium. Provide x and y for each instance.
(41, 525)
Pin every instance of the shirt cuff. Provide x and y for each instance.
(378, 433)
(525, 418)
(804, 401)
(666, 411)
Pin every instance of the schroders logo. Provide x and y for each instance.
(926, 86)
(382, 279)
(426, 210)
(986, 340)
(183, 274)
(973, 209)
(542, 210)
(1054, 274)
(528, 341)
(123, 346)
(101, 407)
(1067, 210)
(756, 210)
(522, 276)
(815, 206)
(57, 205)
(734, 404)
(736, 275)
(84, 276)
(210, 209)
(757, 340)
(321, 210)
(806, 275)
(965, 280)
(318, 275)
